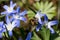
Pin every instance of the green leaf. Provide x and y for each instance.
(31, 14)
(51, 10)
(46, 4)
(50, 16)
(58, 38)
(45, 33)
(20, 3)
(41, 6)
(35, 37)
(37, 4)
(49, 5)
(46, 8)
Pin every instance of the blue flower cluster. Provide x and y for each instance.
(42, 23)
(12, 18)
(45, 22)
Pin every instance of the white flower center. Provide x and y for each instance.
(10, 9)
(16, 17)
(9, 27)
(37, 16)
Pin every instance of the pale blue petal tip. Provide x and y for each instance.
(38, 27)
(45, 18)
(10, 33)
(53, 23)
(0, 35)
(23, 13)
(23, 19)
(17, 23)
(37, 30)
(7, 20)
(18, 10)
(29, 36)
(52, 30)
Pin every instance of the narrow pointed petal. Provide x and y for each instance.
(16, 23)
(40, 21)
(38, 27)
(5, 7)
(45, 18)
(4, 28)
(29, 36)
(10, 33)
(11, 3)
(1, 23)
(18, 9)
(23, 19)
(7, 20)
(3, 13)
(39, 15)
(0, 35)
(23, 13)
(52, 30)
(51, 23)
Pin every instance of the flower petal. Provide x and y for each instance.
(52, 30)
(4, 28)
(16, 23)
(10, 33)
(18, 9)
(13, 12)
(5, 7)
(1, 23)
(29, 36)
(40, 21)
(3, 13)
(7, 20)
(11, 3)
(23, 13)
(38, 27)
(45, 18)
(39, 15)
(51, 23)
(23, 19)
(0, 35)
(11, 19)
